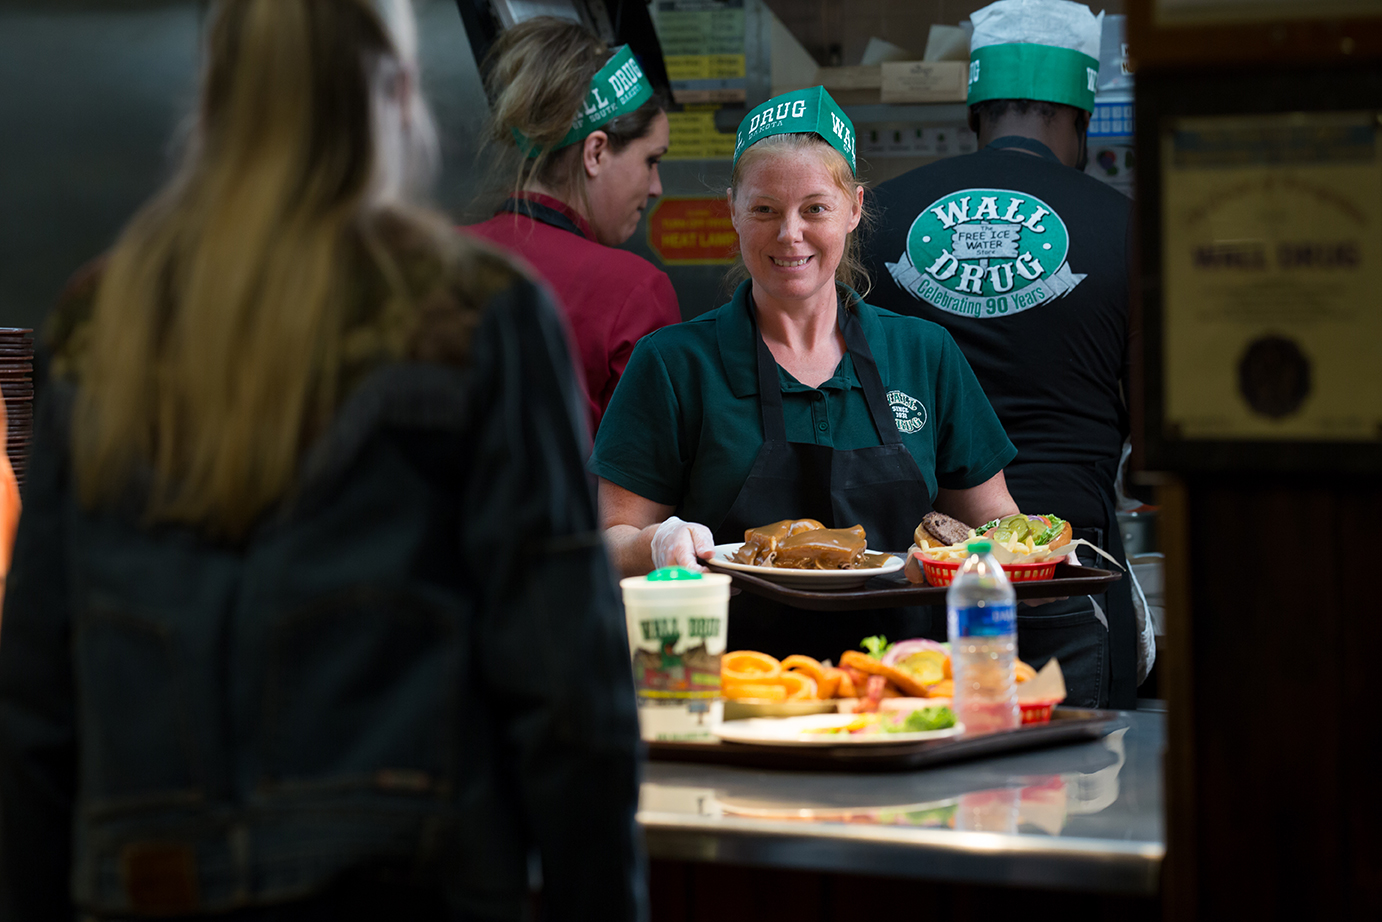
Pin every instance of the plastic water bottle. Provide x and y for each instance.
(982, 611)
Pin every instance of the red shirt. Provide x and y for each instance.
(611, 298)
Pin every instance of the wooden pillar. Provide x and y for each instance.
(1271, 679)
(1274, 624)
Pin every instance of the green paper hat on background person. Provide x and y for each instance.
(618, 88)
(1046, 50)
(810, 111)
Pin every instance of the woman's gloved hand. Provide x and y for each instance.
(678, 543)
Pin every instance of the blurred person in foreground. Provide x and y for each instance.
(275, 644)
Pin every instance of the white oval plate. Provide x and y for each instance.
(806, 579)
(788, 731)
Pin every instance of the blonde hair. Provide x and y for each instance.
(850, 273)
(217, 330)
(538, 76)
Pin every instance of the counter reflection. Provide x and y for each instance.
(967, 801)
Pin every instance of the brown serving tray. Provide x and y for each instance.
(893, 590)
(1068, 725)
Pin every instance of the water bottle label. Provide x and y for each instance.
(983, 620)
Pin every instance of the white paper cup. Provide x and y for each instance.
(677, 632)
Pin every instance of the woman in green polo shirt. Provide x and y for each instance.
(797, 398)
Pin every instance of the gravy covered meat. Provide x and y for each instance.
(761, 543)
(803, 544)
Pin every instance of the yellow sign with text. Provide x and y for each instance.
(695, 137)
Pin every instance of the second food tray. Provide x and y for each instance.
(895, 592)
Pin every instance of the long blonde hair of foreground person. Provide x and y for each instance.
(216, 336)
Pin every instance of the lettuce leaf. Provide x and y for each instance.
(877, 646)
(1051, 533)
(919, 721)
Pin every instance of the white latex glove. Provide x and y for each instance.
(678, 543)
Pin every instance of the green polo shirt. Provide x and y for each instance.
(683, 426)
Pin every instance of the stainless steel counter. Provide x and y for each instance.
(1080, 817)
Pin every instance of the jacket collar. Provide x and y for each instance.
(734, 333)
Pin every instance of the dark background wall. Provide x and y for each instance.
(91, 97)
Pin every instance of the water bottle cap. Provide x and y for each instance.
(979, 547)
(667, 574)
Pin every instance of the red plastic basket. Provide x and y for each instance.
(1036, 712)
(940, 572)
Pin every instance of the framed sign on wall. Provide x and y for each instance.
(1170, 34)
(1262, 302)
(1272, 267)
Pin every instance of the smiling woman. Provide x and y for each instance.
(826, 191)
(795, 205)
(797, 399)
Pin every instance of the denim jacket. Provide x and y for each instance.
(417, 663)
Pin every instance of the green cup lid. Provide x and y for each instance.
(667, 574)
(979, 547)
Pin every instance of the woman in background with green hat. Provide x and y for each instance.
(583, 130)
(797, 398)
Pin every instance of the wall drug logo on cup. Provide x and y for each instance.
(986, 253)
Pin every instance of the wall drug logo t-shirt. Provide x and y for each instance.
(986, 253)
(1053, 368)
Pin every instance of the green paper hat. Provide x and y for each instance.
(617, 89)
(810, 111)
(1046, 50)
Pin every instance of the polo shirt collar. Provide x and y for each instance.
(556, 204)
(734, 334)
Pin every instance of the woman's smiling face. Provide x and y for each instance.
(793, 220)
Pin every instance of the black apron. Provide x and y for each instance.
(1098, 657)
(880, 488)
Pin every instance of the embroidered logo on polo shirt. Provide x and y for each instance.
(986, 253)
(908, 412)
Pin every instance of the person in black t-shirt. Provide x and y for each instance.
(1023, 258)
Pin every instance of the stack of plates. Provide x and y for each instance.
(17, 385)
